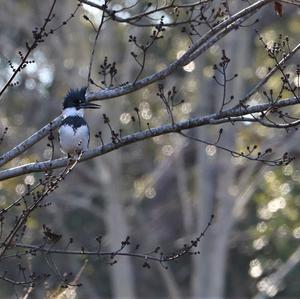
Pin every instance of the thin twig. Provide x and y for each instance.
(94, 48)
(268, 76)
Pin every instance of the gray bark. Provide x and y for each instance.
(215, 180)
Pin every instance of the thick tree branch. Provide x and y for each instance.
(199, 47)
(212, 119)
(30, 141)
(196, 49)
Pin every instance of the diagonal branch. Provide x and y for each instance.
(37, 39)
(268, 75)
(212, 119)
(199, 47)
(196, 50)
(30, 141)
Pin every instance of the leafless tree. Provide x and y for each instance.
(204, 23)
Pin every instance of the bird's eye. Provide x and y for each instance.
(78, 103)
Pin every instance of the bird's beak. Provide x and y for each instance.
(90, 106)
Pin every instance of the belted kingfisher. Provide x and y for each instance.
(74, 133)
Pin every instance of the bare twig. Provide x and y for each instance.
(37, 39)
(268, 75)
(154, 255)
(94, 48)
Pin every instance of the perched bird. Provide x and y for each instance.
(74, 133)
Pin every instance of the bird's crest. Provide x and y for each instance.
(74, 97)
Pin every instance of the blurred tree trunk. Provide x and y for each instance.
(204, 194)
(110, 172)
(184, 194)
(209, 270)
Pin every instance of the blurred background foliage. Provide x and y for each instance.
(160, 192)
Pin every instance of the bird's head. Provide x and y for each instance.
(75, 102)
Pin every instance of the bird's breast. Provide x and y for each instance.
(73, 139)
